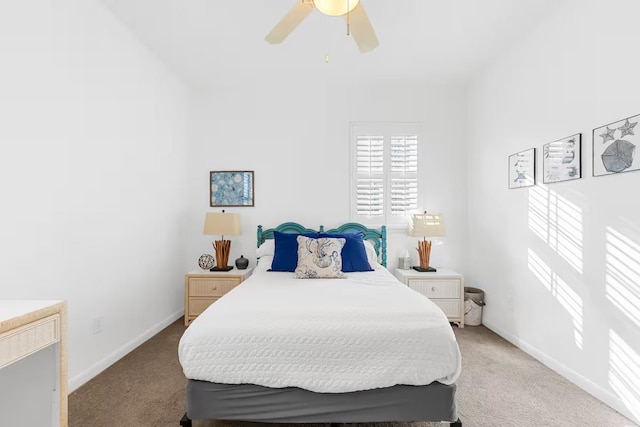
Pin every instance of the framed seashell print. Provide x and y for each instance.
(231, 188)
(615, 147)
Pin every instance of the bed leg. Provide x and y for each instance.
(335, 424)
(456, 423)
(185, 421)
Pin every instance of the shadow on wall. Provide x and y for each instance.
(623, 274)
(566, 296)
(624, 373)
(559, 224)
(622, 277)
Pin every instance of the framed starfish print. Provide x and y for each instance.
(522, 169)
(614, 147)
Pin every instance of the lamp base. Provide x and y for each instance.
(227, 268)
(424, 270)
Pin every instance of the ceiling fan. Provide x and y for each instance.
(358, 23)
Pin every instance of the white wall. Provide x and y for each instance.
(293, 131)
(560, 263)
(93, 140)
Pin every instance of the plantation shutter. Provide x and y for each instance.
(370, 176)
(384, 172)
(404, 174)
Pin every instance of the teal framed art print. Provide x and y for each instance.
(231, 188)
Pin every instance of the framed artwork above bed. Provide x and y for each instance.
(231, 188)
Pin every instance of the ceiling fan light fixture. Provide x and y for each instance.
(335, 7)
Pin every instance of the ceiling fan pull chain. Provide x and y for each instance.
(348, 17)
(363, 33)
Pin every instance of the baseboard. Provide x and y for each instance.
(587, 385)
(84, 377)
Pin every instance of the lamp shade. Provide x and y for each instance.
(221, 223)
(335, 7)
(427, 225)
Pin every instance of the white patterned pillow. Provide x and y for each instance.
(319, 258)
(268, 248)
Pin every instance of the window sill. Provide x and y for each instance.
(391, 228)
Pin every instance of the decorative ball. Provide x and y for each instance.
(206, 261)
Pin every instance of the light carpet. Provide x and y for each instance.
(500, 385)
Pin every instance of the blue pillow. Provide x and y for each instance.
(354, 255)
(285, 255)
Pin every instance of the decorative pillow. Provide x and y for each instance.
(319, 258)
(285, 257)
(354, 255)
(372, 255)
(266, 249)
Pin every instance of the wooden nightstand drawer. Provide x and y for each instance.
(442, 288)
(211, 287)
(201, 289)
(451, 307)
(198, 305)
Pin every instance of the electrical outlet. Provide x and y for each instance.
(510, 304)
(97, 325)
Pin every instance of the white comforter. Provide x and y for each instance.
(324, 335)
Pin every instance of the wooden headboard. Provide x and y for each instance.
(378, 237)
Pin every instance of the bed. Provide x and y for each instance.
(278, 349)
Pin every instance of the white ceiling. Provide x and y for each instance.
(207, 42)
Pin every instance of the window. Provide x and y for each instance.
(384, 173)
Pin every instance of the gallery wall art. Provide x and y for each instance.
(614, 147)
(562, 159)
(522, 169)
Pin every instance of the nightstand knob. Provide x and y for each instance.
(213, 288)
(433, 288)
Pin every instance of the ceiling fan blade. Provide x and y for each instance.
(289, 23)
(361, 29)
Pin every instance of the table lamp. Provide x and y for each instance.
(221, 223)
(426, 225)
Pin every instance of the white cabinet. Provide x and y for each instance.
(444, 287)
(33, 363)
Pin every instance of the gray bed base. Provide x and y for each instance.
(248, 402)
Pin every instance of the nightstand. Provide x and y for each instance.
(444, 287)
(203, 288)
